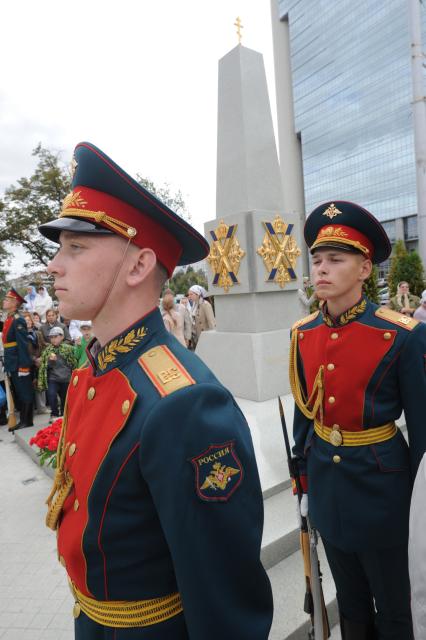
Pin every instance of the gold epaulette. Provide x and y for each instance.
(305, 320)
(164, 370)
(396, 318)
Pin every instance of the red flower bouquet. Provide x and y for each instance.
(47, 440)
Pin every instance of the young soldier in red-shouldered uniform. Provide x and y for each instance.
(17, 358)
(157, 500)
(354, 368)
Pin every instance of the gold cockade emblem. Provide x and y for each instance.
(279, 251)
(225, 256)
(331, 212)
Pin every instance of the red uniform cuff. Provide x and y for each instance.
(303, 482)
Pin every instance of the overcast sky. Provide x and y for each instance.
(137, 78)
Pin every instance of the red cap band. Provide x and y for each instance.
(15, 295)
(125, 220)
(342, 234)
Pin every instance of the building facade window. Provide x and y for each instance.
(390, 229)
(352, 104)
(410, 228)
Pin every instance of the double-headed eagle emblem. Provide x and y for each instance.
(219, 477)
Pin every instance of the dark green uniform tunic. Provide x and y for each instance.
(166, 495)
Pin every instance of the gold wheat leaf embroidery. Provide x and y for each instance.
(121, 345)
(352, 313)
(129, 337)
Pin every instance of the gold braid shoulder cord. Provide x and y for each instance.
(62, 483)
(317, 394)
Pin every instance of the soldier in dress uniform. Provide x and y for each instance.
(17, 357)
(354, 367)
(156, 501)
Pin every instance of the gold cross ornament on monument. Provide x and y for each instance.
(239, 26)
(279, 252)
(225, 256)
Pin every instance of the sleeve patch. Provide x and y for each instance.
(218, 472)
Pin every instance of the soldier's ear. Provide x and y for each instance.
(140, 266)
(366, 269)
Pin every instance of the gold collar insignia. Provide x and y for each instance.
(110, 351)
(347, 316)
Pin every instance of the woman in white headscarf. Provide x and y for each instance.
(30, 298)
(43, 302)
(201, 313)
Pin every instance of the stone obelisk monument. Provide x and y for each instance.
(255, 244)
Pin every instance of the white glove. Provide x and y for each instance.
(302, 508)
(21, 374)
(304, 505)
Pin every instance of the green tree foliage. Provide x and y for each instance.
(406, 266)
(182, 280)
(32, 202)
(371, 287)
(174, 201)
(4, 258)
(38, 199)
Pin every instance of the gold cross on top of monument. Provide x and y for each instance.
(239, 26)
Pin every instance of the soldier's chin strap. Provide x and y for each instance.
(114, 280)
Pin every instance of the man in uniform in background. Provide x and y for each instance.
(354, 368)
(157, 501)
(17, 358)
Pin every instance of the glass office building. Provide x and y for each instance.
(352, 93)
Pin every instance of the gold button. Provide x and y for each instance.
(76, 505)
(75, 381)
(125, 407)
(332, 399)
(301, 335)
(76, 610)
(72, 449)
(336, 459)
(387, 335)
(330, 366)
(62, 561)
(334, 336)
(91, 393)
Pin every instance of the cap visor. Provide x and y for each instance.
(336, 245)
(52, 230)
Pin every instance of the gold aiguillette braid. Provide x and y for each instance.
(317, 394)
(62, 483)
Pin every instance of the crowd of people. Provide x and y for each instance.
(44, 353)
(189, 317)
(57, 345)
